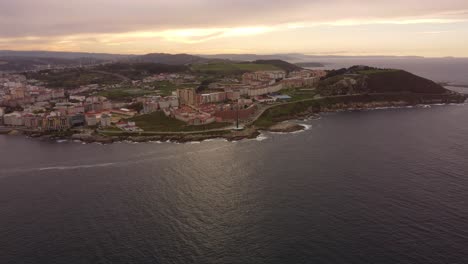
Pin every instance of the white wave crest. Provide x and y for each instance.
(76, 167)
(261, 137)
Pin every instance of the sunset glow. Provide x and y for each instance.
(428, 28)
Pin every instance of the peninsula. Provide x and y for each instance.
(185, 98)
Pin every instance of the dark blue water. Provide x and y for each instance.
(385, 186)
(453, 70)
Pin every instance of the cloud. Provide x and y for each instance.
(57, 17)
(200, 25)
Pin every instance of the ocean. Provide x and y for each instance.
(381, 186)
(443, 70)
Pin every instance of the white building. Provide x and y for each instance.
(13, 119)
(79, 98)
(106, 120)
(91, 119)
(2, 112)
(264, 90)
(160, 103)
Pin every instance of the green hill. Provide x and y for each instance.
(363, 79)
(401, 81)
(283, 65)
(231, 68)
(170, 59)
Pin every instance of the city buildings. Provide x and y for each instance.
(224, 99)
(253, 78)
(123, 112)
(52, 121)
(13, 119)
(215, 97)
(91, 119)
(2, 112)
(298, 82)
(192, 116)
(187, 96)
(106, 120)
(69, 108)
(155, 103)
(128, 126)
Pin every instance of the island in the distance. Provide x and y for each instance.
(160, 97)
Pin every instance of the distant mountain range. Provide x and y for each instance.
(62, 55)
(25, 63)
(30, 60)
(171, 59)
(33, 60)
(181, 58)
(295, 57)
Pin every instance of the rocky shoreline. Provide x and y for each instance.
(282, 125)
(248, 133)
(286, 127)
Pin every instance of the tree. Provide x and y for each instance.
(138, 106)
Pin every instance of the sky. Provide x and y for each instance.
(431, 28)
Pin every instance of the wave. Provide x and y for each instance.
(215, 139)
(306, 126)
(424, 106)
(76, 167)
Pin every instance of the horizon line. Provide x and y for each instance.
(246, 53)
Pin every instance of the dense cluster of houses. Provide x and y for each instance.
(49, 110)
(42, 109)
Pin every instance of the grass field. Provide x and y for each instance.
(232, 68)
(124, 94)
(282, 112)
(73, 78)
(159, 122)
(375, 71)
(289, 111)
(166, 88)
(298, 94)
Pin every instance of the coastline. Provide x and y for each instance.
(282, 123)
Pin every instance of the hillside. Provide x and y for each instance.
(62, 55)
(170, 59)
(310, 64)
(254, 57)
(114, 73)
(37, 60)
(21, 63)
(401, 81)
(136, 71)
(231, 68)
(283, 65)
(236, 68)
(362, 79)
